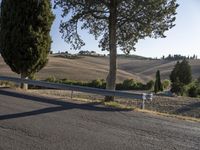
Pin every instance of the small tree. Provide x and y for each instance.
(25, 40)
(158, 85)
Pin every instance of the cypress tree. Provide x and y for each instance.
(158, 85)
(24, 28)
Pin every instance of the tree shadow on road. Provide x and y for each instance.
(56, 105)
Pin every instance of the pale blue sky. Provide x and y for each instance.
(183, 39)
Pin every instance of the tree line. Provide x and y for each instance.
(179, 57)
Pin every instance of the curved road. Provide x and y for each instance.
(39, 123)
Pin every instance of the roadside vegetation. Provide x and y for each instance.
(128, 84)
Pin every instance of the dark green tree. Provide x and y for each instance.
(119, 24)
(180, 76)
(158, 85)
(175, 72)
(25, 40)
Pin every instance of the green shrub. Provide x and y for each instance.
(166, 84)
(129, 84)
(51, 79)
(178, 88)
(193, 91)
(96, 83)
(150, 85)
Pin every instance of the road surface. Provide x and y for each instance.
(38, 123)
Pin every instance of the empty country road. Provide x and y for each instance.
(31, 122)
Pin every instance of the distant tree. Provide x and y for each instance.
(119, 23)
(181, 75)
(158, 85)
(25, 40)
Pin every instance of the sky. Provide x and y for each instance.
(183, 39)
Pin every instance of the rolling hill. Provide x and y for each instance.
(88, 68)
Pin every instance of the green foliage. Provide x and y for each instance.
(180, 76)
(98, 83)
(134, 20)
(158, 85)
(150, 85)
(119, 24)
(193, 91)
(128, 84)
(51, 79)
(166, 84)
(181, 72)
(178, 88)
(24, 29)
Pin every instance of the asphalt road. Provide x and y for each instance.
(39, 123)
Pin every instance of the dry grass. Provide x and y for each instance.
(166, 106)
(89, 68)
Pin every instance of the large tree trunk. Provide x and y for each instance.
(24, 86)
(111, 78)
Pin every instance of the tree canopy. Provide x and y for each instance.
(118, 24)
(24, 29)
(182, 72)
(136, 19)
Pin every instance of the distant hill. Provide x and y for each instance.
(88, 68)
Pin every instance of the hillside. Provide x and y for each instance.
(89, 68)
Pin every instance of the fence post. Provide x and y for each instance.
(143, 100)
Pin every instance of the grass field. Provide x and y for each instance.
(88, 68)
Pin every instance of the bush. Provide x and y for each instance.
(166, 84)
(51, 79)
(178, 88)
(150, 85)
(193, 91)
(98, 83)
(128, 83)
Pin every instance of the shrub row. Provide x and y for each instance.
(128, 84)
